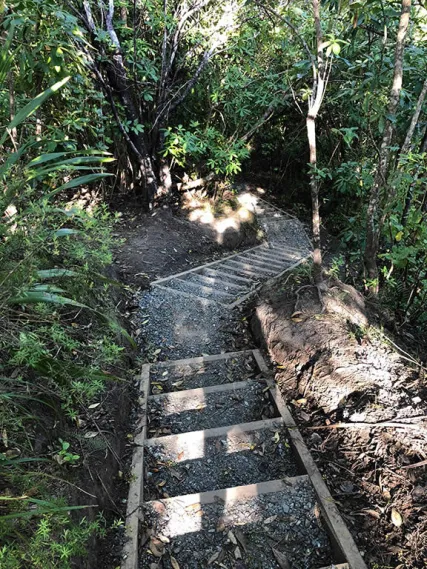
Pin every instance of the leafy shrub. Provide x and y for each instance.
(54, 542)
(58, 334)
(190, 149)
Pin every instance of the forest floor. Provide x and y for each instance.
(337, 365)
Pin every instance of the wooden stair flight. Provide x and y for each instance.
(191, 441)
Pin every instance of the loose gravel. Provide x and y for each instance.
(222, 534)
(185, 467)
(170, 415)
(290, 232)
(176, 327)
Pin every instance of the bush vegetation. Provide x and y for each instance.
(129, 98)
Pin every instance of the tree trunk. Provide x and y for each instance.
(117, 83)
(319, 86)
(165, 176)
(373, 224)
(314, 189)
(423, 147)
(14, 131)
(406, 147)
(118, 80)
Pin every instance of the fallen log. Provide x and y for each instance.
(193, 184)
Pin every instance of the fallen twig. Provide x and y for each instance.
(422, 463)
(385, 424)
(406, 356)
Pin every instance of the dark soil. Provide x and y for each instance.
(336, 365)
(175, 468)
(106, 453)
(165, 242)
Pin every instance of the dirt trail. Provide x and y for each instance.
(218, 479)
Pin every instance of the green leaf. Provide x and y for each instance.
(5, 57)
(52, 367)
(76, 161)
(336, 48)
(32, 106)
(65, 231)
(55, 273)
(35, 297)
(47, 288)
(52, 508)
(13, 461)
(12, 160)
(43, 158)
(79, 182)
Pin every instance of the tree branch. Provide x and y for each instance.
(415, 117)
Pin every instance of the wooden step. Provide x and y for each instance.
(186, 285)
(228, 495)
(284, 255)
(243, 521)
(216, 458)
(204, 359)
(195, 375)
(201, 392)
(281, 254)
(218, 281)
(266, 259)
(212, 264)
(196, 437)
(240, 263)
(222, 272)
(264, 264)
(217, 405)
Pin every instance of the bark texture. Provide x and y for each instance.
(414, 121)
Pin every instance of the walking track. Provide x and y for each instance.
(221, 476)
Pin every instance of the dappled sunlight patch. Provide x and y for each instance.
(86, 199)
(232, 215)
(262, 522)
(248, 201)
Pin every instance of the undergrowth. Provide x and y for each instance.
(60, 345)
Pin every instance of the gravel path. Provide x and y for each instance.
(182, 327)
(261, 530)
(175, 325)
(193, 413)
